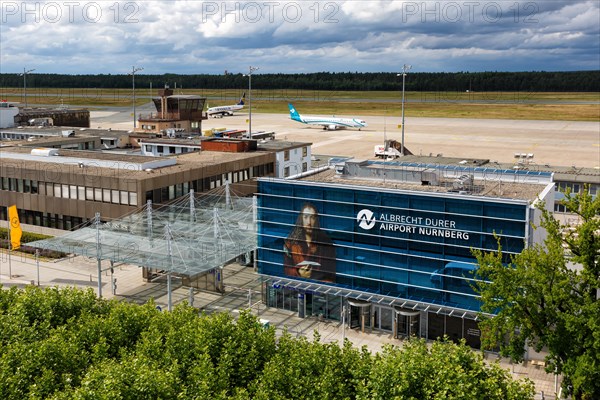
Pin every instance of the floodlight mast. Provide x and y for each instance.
(25, 72)
(405, 69)
(133, 71)
(251, 69)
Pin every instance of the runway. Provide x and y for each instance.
(556, 143)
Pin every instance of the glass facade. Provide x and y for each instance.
(410, 245)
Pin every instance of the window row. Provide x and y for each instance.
(286, 170)
(69, 191)
(130, 198)
(576, 187)
(172, 192)
(48, 220)
(168, 149)
(286, 153)
(561, 187)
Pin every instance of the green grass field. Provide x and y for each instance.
(502, 105)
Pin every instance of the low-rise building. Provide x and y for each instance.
(292, 158)
(63, 188)
(8, 112)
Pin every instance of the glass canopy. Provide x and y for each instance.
(194, 234)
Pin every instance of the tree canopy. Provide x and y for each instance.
(66, 344)
(548, 297)
(491, 81)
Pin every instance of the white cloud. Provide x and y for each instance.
(289, 36)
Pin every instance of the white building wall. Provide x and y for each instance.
(546, 198)
(7, 116)
(295, 163)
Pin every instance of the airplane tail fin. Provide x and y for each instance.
(242, 99)
(293, 113)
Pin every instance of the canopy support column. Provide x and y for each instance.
(170, 253)
(192, 206)
(98, 255)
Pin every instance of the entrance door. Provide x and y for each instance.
(408, 323)
(308, 304)
(472, 333)
(360, 314)
(355, 317)
(383, 317)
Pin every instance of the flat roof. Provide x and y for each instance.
(105, 164)
(195, 141)
(561, 173)
(269, 145)
(378, 176)
(56, 131)
(185, 97)
(44, 111)
(47, 141)
(84, 159)
(278, 145)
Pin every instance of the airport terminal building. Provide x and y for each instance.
(388, 247)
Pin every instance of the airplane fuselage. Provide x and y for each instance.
(333, 123)
(224, 110)
(328, 123)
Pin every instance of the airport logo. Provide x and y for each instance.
(366, 219)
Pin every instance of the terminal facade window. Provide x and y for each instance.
(65, 191)
(167, 193)
(573, 187)
(414, 246)
(49, 220)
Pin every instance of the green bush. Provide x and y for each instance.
(28, 237)
(67, 344)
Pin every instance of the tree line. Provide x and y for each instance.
(541, 300)
(67, 344)
(533, 81)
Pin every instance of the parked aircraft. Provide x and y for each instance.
(328, 123)
(222, 111)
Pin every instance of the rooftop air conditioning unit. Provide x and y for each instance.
(463, 182)
(339, 169)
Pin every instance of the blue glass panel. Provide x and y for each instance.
(499, 210)
(427, 203)
(394, 201)
(367, 198)
(398, 252)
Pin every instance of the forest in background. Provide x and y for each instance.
(575, 81)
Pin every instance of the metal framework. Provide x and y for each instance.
(374, 298)
(192, 235)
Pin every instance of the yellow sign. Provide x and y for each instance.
(399, 126)
(15, 227)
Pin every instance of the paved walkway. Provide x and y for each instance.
(242, 291)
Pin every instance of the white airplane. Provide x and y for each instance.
(222, 111)
(328, 123)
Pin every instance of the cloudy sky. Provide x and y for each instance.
(188, 37)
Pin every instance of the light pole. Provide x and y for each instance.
(251, 69)
(25, 72)
(405, 69)
(133, 71)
